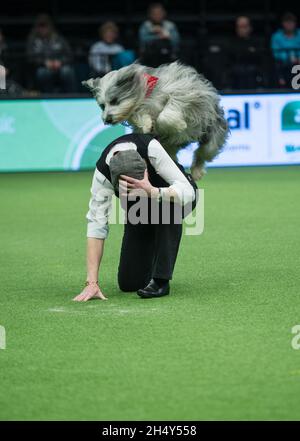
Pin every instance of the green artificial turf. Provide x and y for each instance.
(219, 347)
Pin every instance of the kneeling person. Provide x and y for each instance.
(129, 166)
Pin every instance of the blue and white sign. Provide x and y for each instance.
(264, 130)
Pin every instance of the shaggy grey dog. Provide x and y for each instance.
(173, 102)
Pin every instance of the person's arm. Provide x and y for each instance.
(96, 57)
(276, 47)
(146, 34)
(94, 255)
(97, 231)
(180, 189)
(34, 51)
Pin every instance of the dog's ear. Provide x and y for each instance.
(128, 76)
(92, 84)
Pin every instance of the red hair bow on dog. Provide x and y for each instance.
(151, 83)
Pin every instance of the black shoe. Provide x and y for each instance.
(153, 290)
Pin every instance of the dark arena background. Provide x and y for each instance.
(225, 344)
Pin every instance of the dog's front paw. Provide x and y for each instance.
(181, 125)
(146, 123)
(197, 172)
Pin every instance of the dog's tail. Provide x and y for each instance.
(210, 145)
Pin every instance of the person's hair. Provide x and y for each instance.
(154, 6)
(108, 26)
(289, 16)
(242, 16)
(40, 20)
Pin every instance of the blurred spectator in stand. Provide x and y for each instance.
(3, 46)
(245, 56)
(158, 38)
(285, 44)
(50, 55)
(11, 87)
(101, 52)
(107, 54)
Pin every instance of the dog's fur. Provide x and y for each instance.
(183, 107)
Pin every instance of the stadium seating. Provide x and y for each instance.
(204, 34)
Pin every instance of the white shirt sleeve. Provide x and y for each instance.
(99, 206)
(168, 170)
(100, 202)
(120, 147)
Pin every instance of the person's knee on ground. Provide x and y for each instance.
(126, 285)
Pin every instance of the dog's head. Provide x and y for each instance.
(118, 93)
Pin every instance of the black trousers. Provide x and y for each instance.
(149, 250)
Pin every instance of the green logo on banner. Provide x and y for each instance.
(290, 116)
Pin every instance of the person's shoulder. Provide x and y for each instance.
(145, 24)
(126, 138)
(277, 35)
(98, 45)
(143, 137)
(115, 47)
(134, 135)
(155, 147)
(277, 32)
(59, 39)
(169, 24)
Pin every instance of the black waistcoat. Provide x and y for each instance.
(141, 141)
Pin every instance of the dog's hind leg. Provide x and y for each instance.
(210, 147)
(198, 165)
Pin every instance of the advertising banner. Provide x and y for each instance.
(68, 134)
(265, 130)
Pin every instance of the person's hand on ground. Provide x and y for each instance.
(90, 292)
